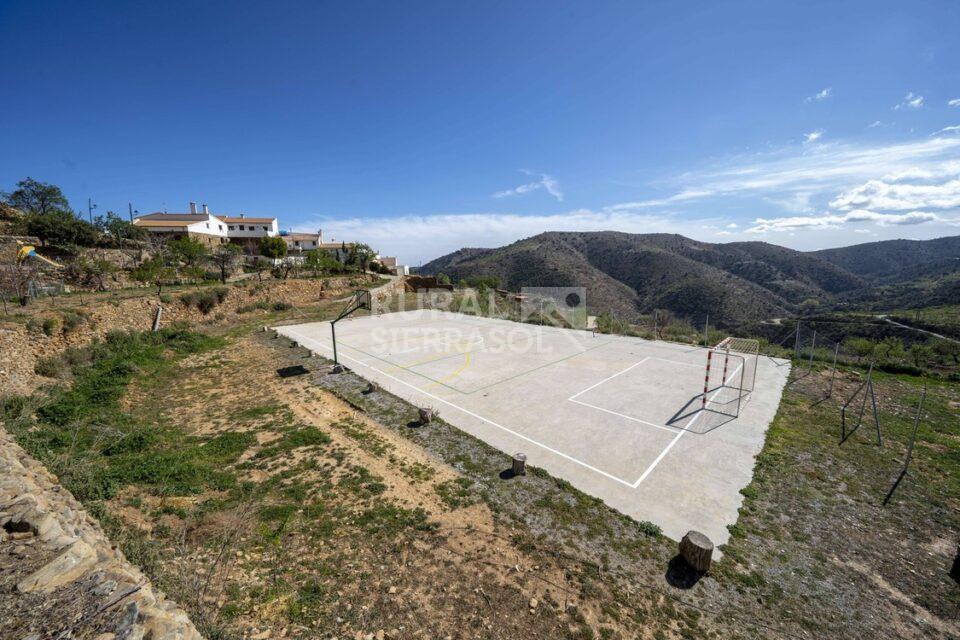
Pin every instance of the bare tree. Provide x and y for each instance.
(16, 279)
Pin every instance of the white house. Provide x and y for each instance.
(209, 228)
(200, 226)
(302, 242)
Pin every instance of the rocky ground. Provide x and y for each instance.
(51, 325)
(60, 575)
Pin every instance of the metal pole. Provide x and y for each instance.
(333, 333)
(863, 404)
(796, 342)
(876, 416)
(813, 346)
(833, 371)
(916, 423)
(706, 331)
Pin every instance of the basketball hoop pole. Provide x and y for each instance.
(359, 301)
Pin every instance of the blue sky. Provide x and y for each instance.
(425, 127)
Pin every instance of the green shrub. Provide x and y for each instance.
(265, 306)
(13, 407)
(72, 320)
(49, 326)
(50, 367)
(33, 325)
(206, 300)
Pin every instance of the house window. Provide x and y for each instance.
(230, 227)
(241, 227)
(264, 228)
(208, 225)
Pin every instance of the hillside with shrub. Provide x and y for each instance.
(630, 275)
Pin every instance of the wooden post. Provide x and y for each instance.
(156, 318)
(955, 569)
(519, 467)
(697, 551)
(426, 416)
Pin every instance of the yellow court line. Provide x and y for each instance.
(466, 364)
(427, 360)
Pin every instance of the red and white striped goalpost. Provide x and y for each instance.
(706, 379)
(725, 345)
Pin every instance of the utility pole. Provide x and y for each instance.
(130, 209)
(706, 331)
(90, 207)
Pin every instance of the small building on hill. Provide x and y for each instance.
(208, 228)
(299, 242)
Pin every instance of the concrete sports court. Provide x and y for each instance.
(620, 418)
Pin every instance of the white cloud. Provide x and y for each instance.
(820, 95)
(817, 169)
(953, 103)
(547, 182)
(874, 124)
(813, 136)
(900, 196)
(951, 129)
(910, 101)
(836, 221)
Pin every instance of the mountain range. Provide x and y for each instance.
(739, 282)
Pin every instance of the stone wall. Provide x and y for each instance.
(59, 574)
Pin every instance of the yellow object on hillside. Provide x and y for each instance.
(29, 251)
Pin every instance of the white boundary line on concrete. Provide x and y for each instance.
(664, 427)
(626, 417)
(682, 431)
(303, 338)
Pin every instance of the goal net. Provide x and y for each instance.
(731, 374)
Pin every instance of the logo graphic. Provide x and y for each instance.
(554, 306)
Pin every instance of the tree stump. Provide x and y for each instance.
(337, 368)
(372, 387)
(519, 464)
(426, 416)
(697, 551)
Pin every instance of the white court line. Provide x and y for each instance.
(621, 415)
(683, 431)
(466, 411)
(618, 373)
(664, 427)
